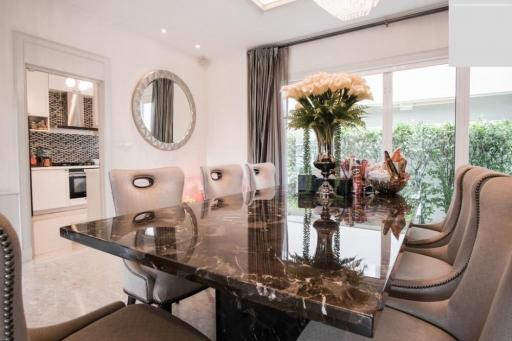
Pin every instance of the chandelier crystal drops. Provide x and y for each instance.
(347, 9)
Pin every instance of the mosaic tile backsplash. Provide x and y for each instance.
(58, 101)
(58, 108)
(66, 147)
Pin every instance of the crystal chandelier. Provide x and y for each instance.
(347, 9)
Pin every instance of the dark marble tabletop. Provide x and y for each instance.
(328, 264)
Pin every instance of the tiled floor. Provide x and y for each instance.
(72, 281)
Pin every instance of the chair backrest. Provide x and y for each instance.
(146, 189)
(452, 215)
(499, 320)
(13, 324)
(261, 175)
(222, 180)
(470, 304)
(466, 221)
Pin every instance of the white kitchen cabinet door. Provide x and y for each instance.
(38, 102)
(50, 189)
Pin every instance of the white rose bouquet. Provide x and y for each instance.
(328, 100)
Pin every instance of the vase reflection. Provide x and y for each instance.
(332, 224)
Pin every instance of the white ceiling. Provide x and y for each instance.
(222, 26)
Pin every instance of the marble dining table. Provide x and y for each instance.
(275, 259)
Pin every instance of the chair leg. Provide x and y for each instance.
(167, 307)
(131, 300)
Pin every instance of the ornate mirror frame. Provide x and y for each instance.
(137, 117)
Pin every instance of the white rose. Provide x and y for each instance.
(307, 90)
(366, 95)
(292, 92)
(342, 82)
(357, 80)
(356, 90)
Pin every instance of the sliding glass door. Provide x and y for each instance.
(424, 128)
(414, 108)
(366, 143)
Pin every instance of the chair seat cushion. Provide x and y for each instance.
(139, 322)
(417, 267)
(391, 325)
(150, 286)
(169, 288)
(416, 234)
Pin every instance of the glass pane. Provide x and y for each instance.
(366, 143)
(490, 129)
(424, 127)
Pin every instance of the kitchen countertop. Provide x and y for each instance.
(64, 167)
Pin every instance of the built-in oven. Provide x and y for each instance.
(77, 184)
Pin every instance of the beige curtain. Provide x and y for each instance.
(267, 71)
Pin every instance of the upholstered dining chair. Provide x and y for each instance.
(432, 274)
(222, 180)
(114, 322)
(438, 234)
(135, 191)
(479, 309)
(261, 175)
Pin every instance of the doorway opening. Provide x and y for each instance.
(64, 151)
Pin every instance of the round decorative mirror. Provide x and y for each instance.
(163, 110)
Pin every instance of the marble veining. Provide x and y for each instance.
(327, 263)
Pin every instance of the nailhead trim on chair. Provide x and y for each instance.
(463, 268)
(8, 285)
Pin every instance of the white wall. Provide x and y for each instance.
(375, 48)
(130, 55)
(227, 109)
(478, 32)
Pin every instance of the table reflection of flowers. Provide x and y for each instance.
(347, 271)
(325, 257)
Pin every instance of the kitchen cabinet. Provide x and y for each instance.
(93, 193)
(50, 189)
(38, 102)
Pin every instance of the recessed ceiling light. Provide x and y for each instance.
(70, 82)
(163, 30)
(269, 4)
(197, 46)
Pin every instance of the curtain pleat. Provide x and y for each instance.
(162, 107)
(267, 72)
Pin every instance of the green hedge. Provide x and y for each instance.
(430, 150)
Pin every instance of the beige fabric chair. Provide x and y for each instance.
(438, 234)
(114, 322)
(140, 190)
(479, 309)
(466, 311)
(432, 274)
(261, 175)
(222, 180)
